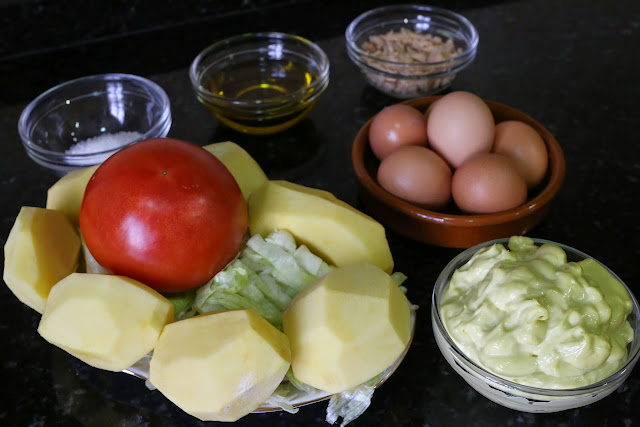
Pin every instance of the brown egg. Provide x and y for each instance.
(459, 126)
(396, 126)
(417, 175)
(428, 110)
(520, 142)
(488, 183)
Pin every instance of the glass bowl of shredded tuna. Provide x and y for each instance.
(409, 51)
(535, 325)
(82, 122)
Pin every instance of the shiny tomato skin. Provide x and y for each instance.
(164, 212)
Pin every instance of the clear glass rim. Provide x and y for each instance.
(312, 91)
(361, 56)
(612, 380)
(55, 158)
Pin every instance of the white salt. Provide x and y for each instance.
(104, 142)
(101, 143)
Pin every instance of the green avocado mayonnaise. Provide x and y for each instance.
(527, 315)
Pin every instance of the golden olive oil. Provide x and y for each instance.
(258, 80)
(260, 83)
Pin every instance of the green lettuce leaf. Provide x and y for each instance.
(265, 277)
(352, 403)
(182, 303)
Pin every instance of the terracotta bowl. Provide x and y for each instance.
(452, 227)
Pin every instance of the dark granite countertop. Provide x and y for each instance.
(570, 64)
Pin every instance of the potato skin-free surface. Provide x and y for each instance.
(347, 327)
(67, 193)
(331, 228)
(242, 166)
(220, 366)
(109, 322)
(164, 212)
(42, 248)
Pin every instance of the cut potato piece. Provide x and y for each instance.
(108, 322)
(332, 229)
(347, 327)
(67, 193)
(220, 366)
(247, 172)
(42, 248)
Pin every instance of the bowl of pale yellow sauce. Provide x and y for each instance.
(535, 325)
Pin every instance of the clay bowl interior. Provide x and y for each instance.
(452, 227)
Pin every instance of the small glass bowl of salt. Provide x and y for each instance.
(82, 122)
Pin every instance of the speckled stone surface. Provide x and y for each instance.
(570, 64)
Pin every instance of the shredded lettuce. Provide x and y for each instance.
(349, 404)
(265, 276)
(289, 390)
(182, 304)
(352, 403)
(90, 263)
(279, 401)
(233, 288)
(398, 277)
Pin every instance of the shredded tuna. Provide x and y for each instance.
(419, 51)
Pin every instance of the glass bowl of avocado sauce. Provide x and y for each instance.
(535, 325)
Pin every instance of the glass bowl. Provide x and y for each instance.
(409, 51)
(260, 83)
(82, 122)
(514, 395)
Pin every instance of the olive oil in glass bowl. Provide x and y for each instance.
(260, 83)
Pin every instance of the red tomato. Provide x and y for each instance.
(165, 212)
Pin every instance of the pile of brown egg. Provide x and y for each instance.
(456, 151)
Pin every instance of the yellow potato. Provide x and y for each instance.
(109, 322)
(346, 328)
(220, 366)
(332, 229)
(248, 174)
(67, 193)
(42, 248)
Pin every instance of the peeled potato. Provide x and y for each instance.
(247, 172)
(220, 366)
(332, 229)
(347, 327)
(42, 248)
(67, 193)
(109, 322)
